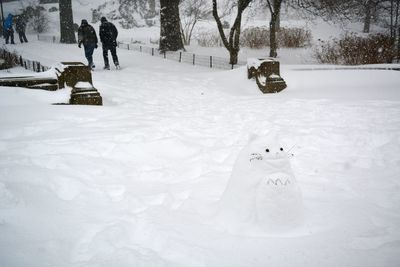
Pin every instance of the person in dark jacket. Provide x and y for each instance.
(8, 29)
(108, 37)
(87, 36)
(20, 27)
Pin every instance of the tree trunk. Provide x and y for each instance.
(233, 56)
(367, 19)
(66, 22)
(278, 16)
(273, 27)
(272, 37)
(170, 26)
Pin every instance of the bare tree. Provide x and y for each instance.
(66, 22)
(231, 44)
(170, 26)
(191, 12)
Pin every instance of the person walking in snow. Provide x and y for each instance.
(108, 37)
(20, 27)
(8, 29)
(87, 36)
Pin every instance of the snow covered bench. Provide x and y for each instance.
(70, 73)
(78, 76)
(267, 74)
(83, 93)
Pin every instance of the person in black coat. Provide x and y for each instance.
(108, 37)
(20, 27)
(87, 36)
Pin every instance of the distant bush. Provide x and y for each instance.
(225, 25)
(258, 37)
(255, 37)
(209, 39)
(53, 9)
(355, 50)
(294, 37)
(37, 18)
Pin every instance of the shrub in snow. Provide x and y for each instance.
(258, 37)
(53, 9)
(255, 37)
(37, 17)
(262, 190)
(355, 50)
(209, 39)
(294, 37)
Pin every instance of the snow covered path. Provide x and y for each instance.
(135, 182)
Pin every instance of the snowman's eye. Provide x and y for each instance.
(281, 149)
(267, 150)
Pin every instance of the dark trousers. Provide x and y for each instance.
(89, 48)
(113, 51)
(22, 37)
(9, 34)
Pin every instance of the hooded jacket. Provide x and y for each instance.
(8, 22)
(108, 33)
(86, 34)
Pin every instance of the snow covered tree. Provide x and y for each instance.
(231, 44)
(66, 22)
(170, 26)
(191, 12)
(128, 9)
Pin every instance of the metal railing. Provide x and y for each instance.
(28, 64)
(183, 57)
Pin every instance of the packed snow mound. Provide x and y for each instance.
(262, 189)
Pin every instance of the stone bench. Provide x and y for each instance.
(76, 75)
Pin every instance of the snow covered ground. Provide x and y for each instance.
(137, 182)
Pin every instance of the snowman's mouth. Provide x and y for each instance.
(278, 182)
(257, 156)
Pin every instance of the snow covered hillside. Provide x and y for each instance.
(137, 182)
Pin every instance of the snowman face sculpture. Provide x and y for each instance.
(267, 155)
(267, 152)
(262, 189)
